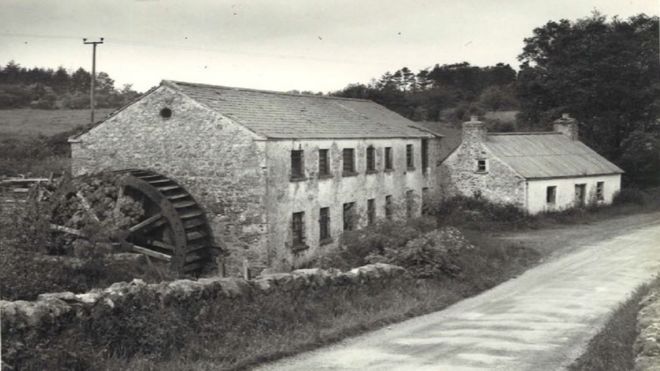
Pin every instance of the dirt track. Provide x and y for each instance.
(541, 320)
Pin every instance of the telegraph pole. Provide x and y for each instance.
(91, 91)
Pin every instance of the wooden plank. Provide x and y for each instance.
(68, 230)
(162, 245)
(87, 206)
(153, 254)
(145, 222)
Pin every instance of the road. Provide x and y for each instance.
(541, 320)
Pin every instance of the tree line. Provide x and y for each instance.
(604, 72)
(444, 92)
(45, 88)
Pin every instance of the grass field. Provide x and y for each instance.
(22, 123)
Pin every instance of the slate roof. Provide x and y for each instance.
(298, 116)
(451, 136)
(548, 155)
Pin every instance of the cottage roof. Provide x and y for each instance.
(298, 116)
(548, 155)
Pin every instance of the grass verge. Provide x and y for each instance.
(612, 348)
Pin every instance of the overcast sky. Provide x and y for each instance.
(276, 44)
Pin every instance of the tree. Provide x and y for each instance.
(641, 158)
(80, 81)
(605, 73)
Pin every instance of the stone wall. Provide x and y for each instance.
(647, 344)
(313, 192)
(161, 319)
(215, 159)
(499, 183)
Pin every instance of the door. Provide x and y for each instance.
(580, 194)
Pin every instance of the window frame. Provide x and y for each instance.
(349, 216)
(410, 200)
(371, 211)
(548, 193)
(298, 238)
(325, 231)
(300, 174)
(410, 157)
(389, 159)
(389, 207)
(425, 156)
(324, 154)
(370, 157)
(600, 191)
(479, 169)
(352, 171)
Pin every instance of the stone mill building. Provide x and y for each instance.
(280, 176)
(537, 171)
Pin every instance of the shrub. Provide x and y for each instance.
(479, 213)
(630, 196)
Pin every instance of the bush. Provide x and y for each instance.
(479, 213)
(630, 196)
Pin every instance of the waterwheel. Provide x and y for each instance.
(134, 210)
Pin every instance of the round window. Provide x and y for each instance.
(166, 113)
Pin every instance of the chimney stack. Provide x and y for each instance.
(474, 130)
(566, 125)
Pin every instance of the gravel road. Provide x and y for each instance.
(541, 320)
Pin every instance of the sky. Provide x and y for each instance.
(280, 45)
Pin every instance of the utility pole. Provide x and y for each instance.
(91, 91)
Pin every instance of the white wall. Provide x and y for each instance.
(565, 198)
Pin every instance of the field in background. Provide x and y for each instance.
(22, 123)
(502, 116)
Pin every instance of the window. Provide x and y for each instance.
(324, 163)
(324, 225)
(298, 229)
(410, 204)
(551, 195)
(600, 186)
(371, 159)
(410, 159)
(348, 157)
(388, 207)
(481, 166)
(349, 216)
(426, 208)
(371, 211)
(297, 165)
(425, 155)
(580, 194)
(388, 158)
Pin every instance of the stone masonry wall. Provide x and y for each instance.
(459, 175)
(314, 192)
(156, 319)
(647, 344)
(215, 159)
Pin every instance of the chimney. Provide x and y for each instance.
(474, 130)
(566, 125)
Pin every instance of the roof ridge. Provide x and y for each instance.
(174, 84)
(526, 133)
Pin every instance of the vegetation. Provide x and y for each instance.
(607, 75)
(448, 92)
(43, 88)
(612, 347)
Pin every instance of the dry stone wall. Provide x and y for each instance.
(135, 317)
(647, 345)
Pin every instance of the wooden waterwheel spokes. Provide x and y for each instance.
(173, 227)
